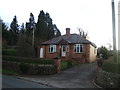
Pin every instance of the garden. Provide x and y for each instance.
(109, 75)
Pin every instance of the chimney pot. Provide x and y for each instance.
(67, 31)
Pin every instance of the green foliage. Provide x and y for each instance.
(14, 28)
(9, 52)
(111, 66)
(25, 48)
(9, 72)
(23, 67)
(57, 31)
(67, 64)
(45, 29)
(63, 65)
(27, 60)
(104, 51)
(30, 25)
(22, 30)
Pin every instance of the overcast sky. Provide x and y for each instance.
(93, 16)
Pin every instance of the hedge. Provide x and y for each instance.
(111, 66)
(9, 52)
(27, 68)
(27, 60)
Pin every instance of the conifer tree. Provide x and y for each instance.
(14, 28)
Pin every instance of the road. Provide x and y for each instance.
(14, 82)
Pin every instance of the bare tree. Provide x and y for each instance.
(82, 33)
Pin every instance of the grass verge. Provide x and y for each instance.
(9, 72)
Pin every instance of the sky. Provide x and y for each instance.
(93, 16)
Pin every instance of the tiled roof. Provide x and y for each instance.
(72, 39)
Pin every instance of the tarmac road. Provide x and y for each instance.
(14, 82)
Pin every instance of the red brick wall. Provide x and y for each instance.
(82, 57)
(70, 54)
(48, 54)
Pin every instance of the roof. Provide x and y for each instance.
(72, 39)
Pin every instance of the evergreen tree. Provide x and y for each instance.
(14, 28)
(49, 27)
(56, 31)
(22, 29)
(45, 28)
(30, 25)
(41, 28)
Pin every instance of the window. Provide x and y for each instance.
(52, 48)
(78, 48)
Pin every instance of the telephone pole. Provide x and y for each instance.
(114, 30)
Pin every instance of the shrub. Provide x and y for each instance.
(104, 51)
(111, 66)
(64, 65)
(9, 52)
(23, 67)
(69, 64)
(28, 60)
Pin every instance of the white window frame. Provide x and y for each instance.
(77, 48)
(52, 48)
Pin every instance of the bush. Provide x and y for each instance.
(9, 52)
(23, 67)
(69, 64)
(104, 51)
(64, 65)
(27, 60)
(111, 66)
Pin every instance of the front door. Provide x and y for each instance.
(63, 53)
(41, 52)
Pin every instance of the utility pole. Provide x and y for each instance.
(33, 34)
(114, 30)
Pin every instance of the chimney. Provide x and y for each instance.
(67, 32)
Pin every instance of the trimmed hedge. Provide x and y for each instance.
(31, 69)
(9, 52)
(27, 60)
(111, 66)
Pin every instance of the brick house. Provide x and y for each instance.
(71, 47)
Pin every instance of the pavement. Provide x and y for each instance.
(76, 77)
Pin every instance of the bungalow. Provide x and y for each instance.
(71, 47)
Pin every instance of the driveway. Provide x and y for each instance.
(76, 77)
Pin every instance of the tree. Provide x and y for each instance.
(45, 29)
(24, 48)
(14, 28)
(41, 27)
(22, 29)
(5, 36)
(82, 33)
(30, 25)
(56, 31)
(104, 51)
